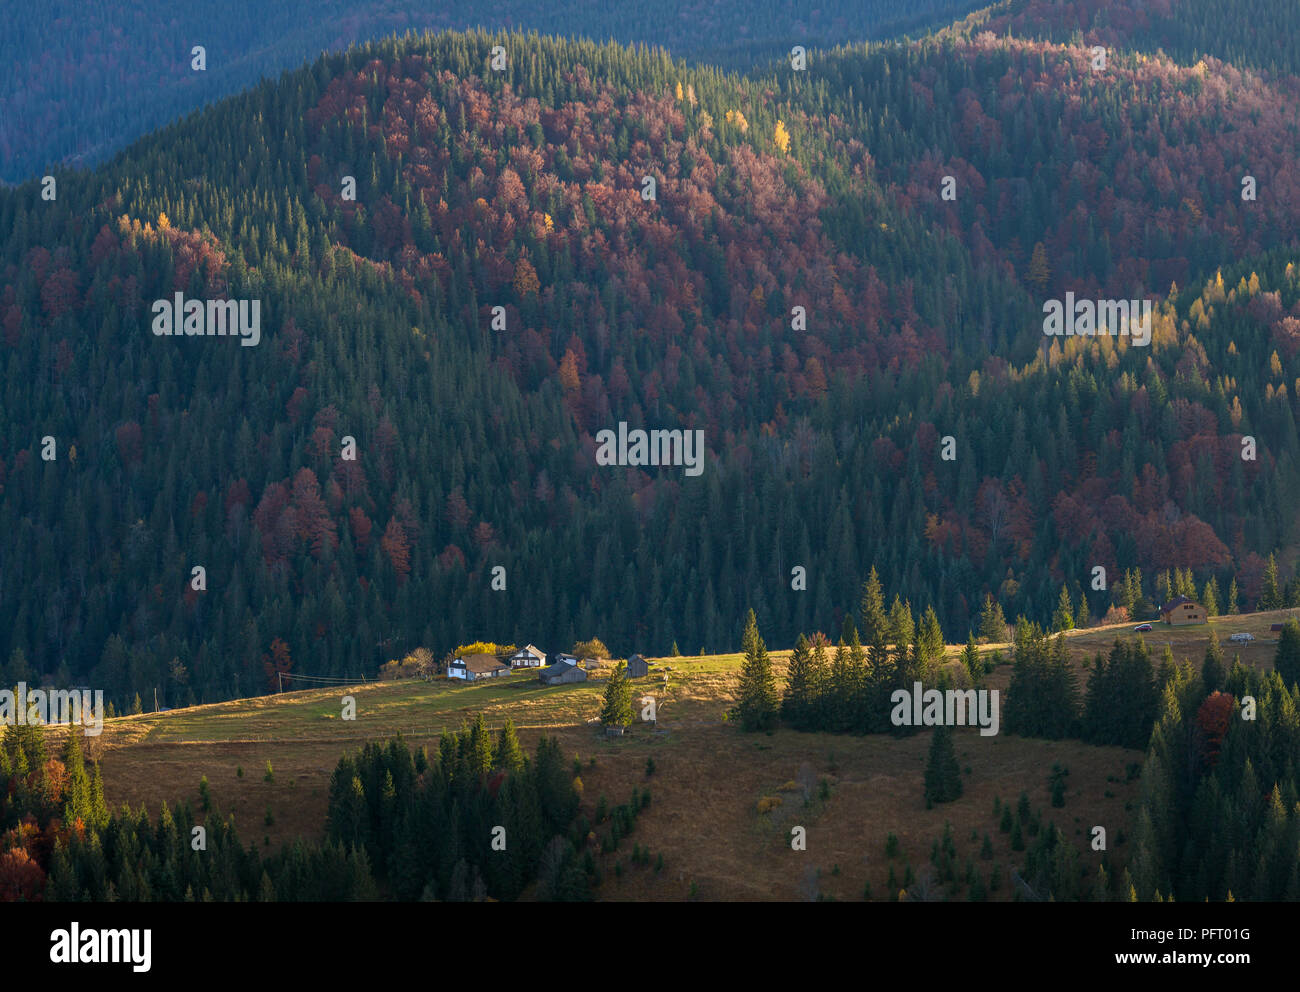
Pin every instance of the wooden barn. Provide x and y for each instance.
(562, 672)
(1181, 610)
(637, 667)
(477, 666)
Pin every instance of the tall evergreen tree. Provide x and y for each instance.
(970, 658)
(930, 643)
(757, 707)
(871, 609)
(796, 704)
(509, 755)
(617, 711)
(993, 625)
(902, 628)
(1210, 597)
(1063, 618)
(943, 781)
(1287, 659)
(1212, 668)
(1271, 596)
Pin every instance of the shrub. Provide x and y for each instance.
(768, 803)
(593, 648)
(270, 775)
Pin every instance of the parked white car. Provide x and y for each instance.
(1241, 638)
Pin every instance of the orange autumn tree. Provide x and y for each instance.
(1212, 721)
(398, 548)
(276, 663)
(526, 281)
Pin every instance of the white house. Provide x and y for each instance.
(529, 656)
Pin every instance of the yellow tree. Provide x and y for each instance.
(782, 137)
(1039, 270)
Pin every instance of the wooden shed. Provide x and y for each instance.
(637, 667)
(562, 673)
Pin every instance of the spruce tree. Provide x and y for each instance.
(970, 657)
(902, 628)
(509, 754)
(617, 711)
(1287, 659)
(1212, 670)
(757, 706)
(871, 610)
(1063, 618)
(795, 704)
(1233, 597)
(993, 625)
(931, 643)
(1168, 667)
(1271, 596)
(1210, 597)
(480, 747)
(942, 773)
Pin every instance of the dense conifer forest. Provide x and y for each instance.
(522, 189)
(72, 75)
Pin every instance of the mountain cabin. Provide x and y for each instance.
(1181, 610)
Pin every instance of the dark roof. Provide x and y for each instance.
(635, 657)
(1176, 602)
(480, 663)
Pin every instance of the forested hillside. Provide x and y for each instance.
(1259, 34)
(475, 429)
(80, 80)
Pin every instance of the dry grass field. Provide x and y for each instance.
(709, 779)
